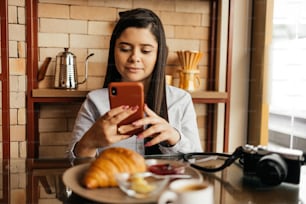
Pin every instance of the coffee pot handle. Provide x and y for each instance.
(43, 69)
(86, 68)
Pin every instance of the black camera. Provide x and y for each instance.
(272, 166)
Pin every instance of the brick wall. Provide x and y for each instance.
(17, 71)
(17, 63)
(85, 27)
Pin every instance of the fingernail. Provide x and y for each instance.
(118, 130)
(125, 107)
(134, 108)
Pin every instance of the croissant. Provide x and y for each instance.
(114, 160)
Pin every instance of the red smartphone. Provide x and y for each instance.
(128, 93)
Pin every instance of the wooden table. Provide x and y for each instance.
(44, 185)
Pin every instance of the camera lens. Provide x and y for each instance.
(114, 91)
(272, 169)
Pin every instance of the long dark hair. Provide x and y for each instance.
(143, 18)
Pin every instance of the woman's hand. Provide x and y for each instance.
(159, 129)
(104, 131)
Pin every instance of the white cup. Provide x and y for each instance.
(188, 191)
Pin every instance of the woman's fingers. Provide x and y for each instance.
(150, 119)
(115, 111)
(123, 129)
(148, 111)
(157, 125)
(155, 140)
(159, 129)
(116, 115)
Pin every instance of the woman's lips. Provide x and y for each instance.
(133, 69)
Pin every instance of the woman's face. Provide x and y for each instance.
(135, 54)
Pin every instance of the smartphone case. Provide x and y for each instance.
(128, 93)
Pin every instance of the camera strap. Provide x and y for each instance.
(231, 158)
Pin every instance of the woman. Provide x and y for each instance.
(138, 52)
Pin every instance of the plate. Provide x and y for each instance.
(72, 179)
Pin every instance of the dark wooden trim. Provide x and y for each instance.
(32, 190)
(57, 99)
(212, 45)
(50, 163)
(211, 107)
(228, 76)
(5, 97)
(32, 60)
(209, 100)
(6, 184)
(211, 75)
(4, 76)
(32, 67)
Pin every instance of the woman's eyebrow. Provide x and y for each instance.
(144, 44)
(124, 43)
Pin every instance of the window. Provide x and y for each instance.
(287, 117)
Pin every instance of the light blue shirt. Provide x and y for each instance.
(181, 116)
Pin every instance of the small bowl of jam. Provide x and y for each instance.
(141, 185)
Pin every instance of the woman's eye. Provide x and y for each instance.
(129, 49)
(125, 49)
(146, 51)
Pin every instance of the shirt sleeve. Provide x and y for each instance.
(182, 117)
(86, 117)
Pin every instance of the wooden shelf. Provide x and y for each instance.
(209, 95)
(50, 93)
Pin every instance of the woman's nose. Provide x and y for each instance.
(135, 57)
